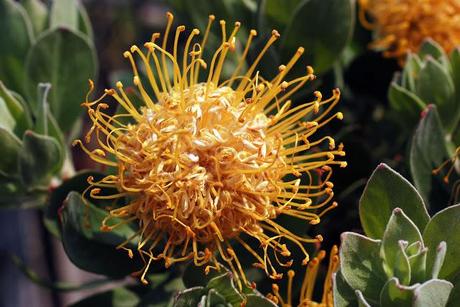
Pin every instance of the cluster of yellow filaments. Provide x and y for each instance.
(453, 162)
(309, 282)
(453, 167)
(402, 25)
(204, 162)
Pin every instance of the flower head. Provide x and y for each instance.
(402, 25)
(309, 282)
(206, 160)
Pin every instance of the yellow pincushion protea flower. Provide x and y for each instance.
(309, 282)
(207, 161)
(403, 25)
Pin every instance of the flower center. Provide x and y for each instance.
(210, 166)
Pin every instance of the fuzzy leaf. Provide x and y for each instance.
(65, 59)
(77, 183)
(361, 265)
(189, 297)
(64, 13)
(7, 120)
(361, 299)
(399, 228)
(431, 48)
(11, 147)
(225, 286)
(87, 246)
(439, 258)
(40, 157)
(406, 103)
(395, 294)
(435, 86)
(428, 150)
(385, 191)
(325, 44)
(444, 226)
(344, 295)
(410, 72)
(16, 109)
(418, 266)
(433, 293)
(38, 14)
(15, 41)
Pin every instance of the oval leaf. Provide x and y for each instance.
(15, 41)
(41, 157)
(361, 265)
(385, 191)
(444, 226)
(428, 150)
(89, 248)
(66, 60)
(399, 228)
(324, 44)
(434, 85)
(394, 294)
(11, 146)
(433, 293)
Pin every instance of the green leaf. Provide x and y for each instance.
(324, 42)
(399, 228)
(7, 120)
(431, 48)
(195, 276)
(278, 13)
(38, 14)
(225, 286)
(433, 293)
(64, 13)
(344, 295)
(418, 266)
(454, 298)
(119, 297)
(439, 258)
(87, 246)
(15, 41)
(66, 60)
(405, 103)
(435, 86)
(455, 67)
(401, 269)
(213, 298)
(361, 299)
(189, 297)
(16, 109)
(428, 150)
(253, 300)
(361, 265)
(41, 121)
(444, 226)
(385, 191)
(11, 147)
(40, 157)
(411, 71)
(45, 123)
(84, 23)
(395, 294)
(78, 183)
